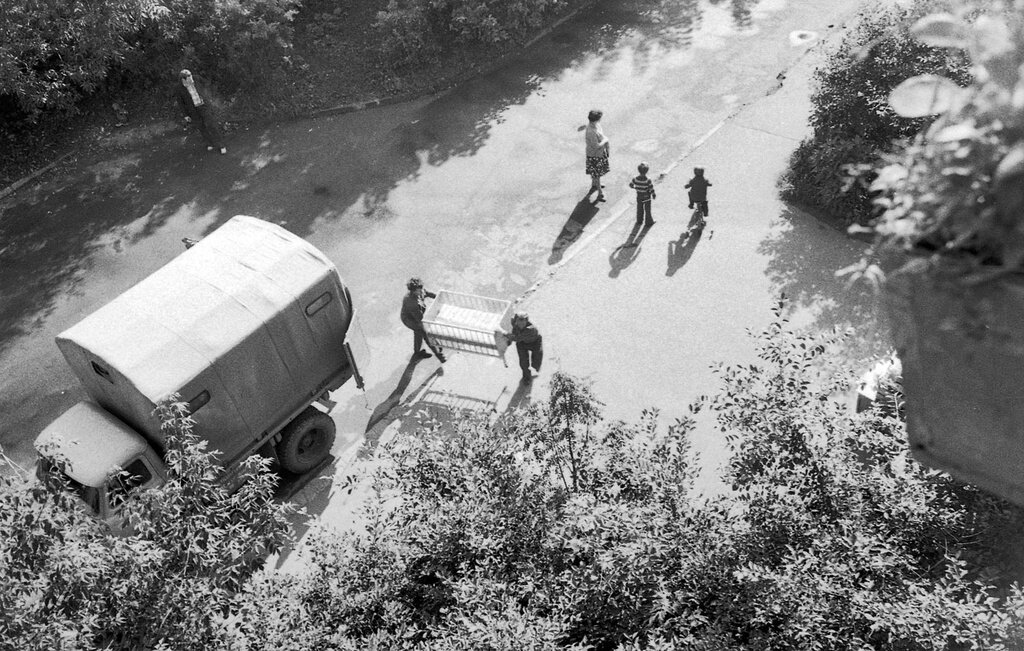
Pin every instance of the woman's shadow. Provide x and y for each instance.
(573, 228)
(679, 251)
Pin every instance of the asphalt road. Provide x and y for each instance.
(476, 190)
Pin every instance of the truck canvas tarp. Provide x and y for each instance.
(248, 328)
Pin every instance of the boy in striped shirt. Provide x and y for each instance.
(644, 194)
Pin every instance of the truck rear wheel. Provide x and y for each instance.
(306, 441)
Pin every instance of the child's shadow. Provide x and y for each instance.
(679, 251)
(627, 252)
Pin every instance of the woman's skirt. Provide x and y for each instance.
(597, 165)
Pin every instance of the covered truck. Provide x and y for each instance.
(248, 327)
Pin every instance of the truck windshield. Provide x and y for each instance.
(52, 476)
(123, 483)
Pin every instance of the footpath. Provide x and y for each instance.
(620, 309)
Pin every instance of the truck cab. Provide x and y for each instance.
(91, 446)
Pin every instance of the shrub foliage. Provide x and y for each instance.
(851, 117)
(70, 583)
(55, 53)
(553, 530)
(413, 29)
(235, 43)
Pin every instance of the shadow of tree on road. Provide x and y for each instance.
(662, 24)
(803, 258)
(343, 167)
(742, 14)
(48, 238)
(79, 233)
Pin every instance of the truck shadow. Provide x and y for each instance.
(310, 495)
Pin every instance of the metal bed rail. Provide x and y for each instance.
(467, 322)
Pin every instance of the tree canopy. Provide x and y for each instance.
(55, 53)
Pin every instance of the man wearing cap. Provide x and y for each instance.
(413, 308)
(529, 344)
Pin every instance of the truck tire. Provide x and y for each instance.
(306, 441)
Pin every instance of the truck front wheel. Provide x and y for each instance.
(306, 441)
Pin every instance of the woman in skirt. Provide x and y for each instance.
(597, 153)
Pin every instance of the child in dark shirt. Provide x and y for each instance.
(698, 190)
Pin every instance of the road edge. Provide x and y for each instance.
(436, 90)
(352, 107)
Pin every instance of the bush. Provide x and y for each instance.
(69, 583)
(552, 530)
(406, 34)
(843, 540)
(851, 117)
(816, 177)
(235, 44)
(55, 53)
(415, 29)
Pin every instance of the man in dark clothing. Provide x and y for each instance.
(413, 308)
(529, 344)
(196, 109)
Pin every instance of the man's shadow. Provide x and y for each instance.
(573, 228)
(387, 411)
(521, 398)
(628, 251)
(679, 251)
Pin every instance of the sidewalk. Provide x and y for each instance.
(617, 307)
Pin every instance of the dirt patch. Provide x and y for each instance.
(334, 62)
